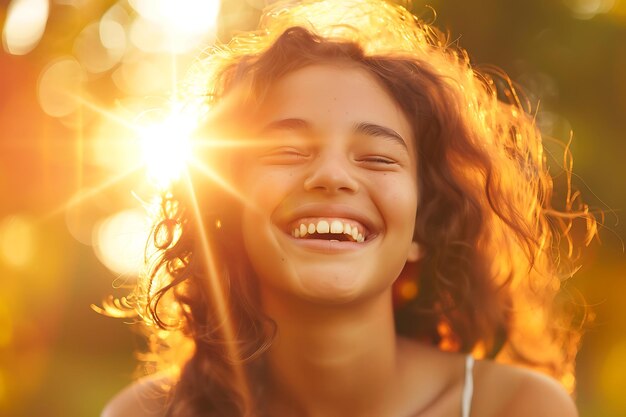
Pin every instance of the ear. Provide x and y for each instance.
(415, 252)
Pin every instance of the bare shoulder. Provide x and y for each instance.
(147, 397)
(503, 390)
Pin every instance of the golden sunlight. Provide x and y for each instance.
(24, 26)
(60, 84)
(166, 147)
(219, 298)
(17, 241)
(173, 26)
(120, 241)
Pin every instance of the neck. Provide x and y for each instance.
(332, 360)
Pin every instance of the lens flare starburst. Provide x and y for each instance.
(166, 147)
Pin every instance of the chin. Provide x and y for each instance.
(333, 285)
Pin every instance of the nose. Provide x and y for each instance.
(331, 172)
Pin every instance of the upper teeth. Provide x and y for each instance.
(323, 226)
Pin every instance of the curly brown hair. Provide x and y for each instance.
(493, 265)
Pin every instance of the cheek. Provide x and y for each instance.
(265, 192)
(268, 190)
(397, 199)
(260, 246)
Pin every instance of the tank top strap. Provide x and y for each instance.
(468, 386)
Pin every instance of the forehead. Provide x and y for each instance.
(334, 95)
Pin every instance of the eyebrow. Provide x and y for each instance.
(364, 128)
(286, 124)
(371, 129)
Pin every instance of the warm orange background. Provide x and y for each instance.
(60, 358)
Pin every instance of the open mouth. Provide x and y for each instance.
(340, 230)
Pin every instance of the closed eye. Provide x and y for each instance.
(283, 156)
(379, 159)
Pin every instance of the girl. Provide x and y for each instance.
(376, 219)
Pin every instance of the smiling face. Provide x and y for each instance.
(334, 187)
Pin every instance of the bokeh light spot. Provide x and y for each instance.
(24, 25)
(83, 210)
(407, 289)
(587, 9)
(181, 15)
(90, 51)
(17, 241)
(120, 240)
(59, 85)
(144, 75)
(147, 35)
(181, 24)
(112, 35)
(113, 28)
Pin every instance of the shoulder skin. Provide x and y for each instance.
(508, 391)
(499, 391)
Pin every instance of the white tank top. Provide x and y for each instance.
(468, 387)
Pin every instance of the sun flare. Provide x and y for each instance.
(166, 147)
